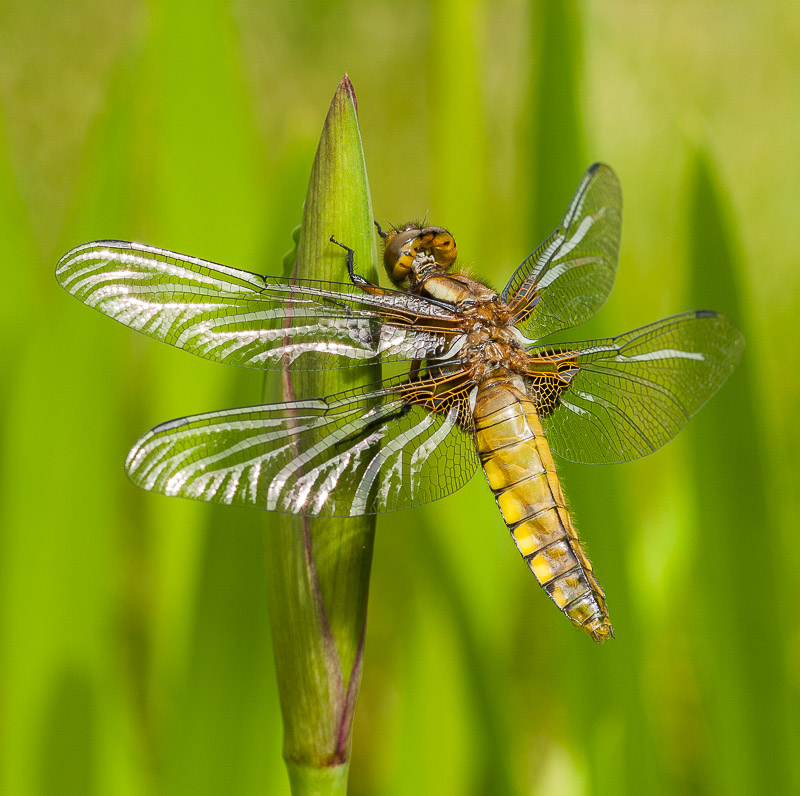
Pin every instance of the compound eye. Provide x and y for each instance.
(398, 253)
(442, 246)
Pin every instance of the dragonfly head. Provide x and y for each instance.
(403, 246)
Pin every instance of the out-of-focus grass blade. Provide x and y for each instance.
(459, 168)
(227, 699)
(68, 762)
(560, 155)
(739, 578)
(491, 769)
(208, 627)
(60, 514)
(556, 139)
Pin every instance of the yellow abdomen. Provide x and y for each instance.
(520, 469)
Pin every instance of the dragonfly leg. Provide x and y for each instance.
(356, 279)
(380, 231)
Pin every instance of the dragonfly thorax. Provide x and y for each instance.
(493, 343)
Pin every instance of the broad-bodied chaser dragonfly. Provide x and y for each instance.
(479, 390)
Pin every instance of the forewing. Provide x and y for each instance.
(568, 278)
(353, 453)
(244, 319)
(623, 398)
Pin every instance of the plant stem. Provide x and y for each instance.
(318, 569)
(318, 781)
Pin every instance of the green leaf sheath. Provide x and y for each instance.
(318, 570)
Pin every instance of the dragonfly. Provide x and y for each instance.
(482, 386)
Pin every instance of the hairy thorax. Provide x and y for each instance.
(492, 341)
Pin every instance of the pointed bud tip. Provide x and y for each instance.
(345, 85)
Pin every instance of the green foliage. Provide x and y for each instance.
(318, 569)
(134, 636)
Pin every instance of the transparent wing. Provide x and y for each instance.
(568, 278)
(353, 453)
(619, 399)
(240, 318)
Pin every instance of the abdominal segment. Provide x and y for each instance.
(520, 469)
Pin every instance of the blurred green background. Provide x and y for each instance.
(133, 634)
